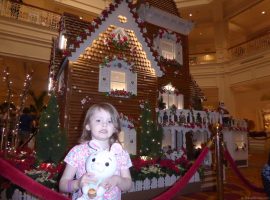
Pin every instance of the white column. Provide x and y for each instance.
(221, 31)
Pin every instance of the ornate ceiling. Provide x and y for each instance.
(244, 17)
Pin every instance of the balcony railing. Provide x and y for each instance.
(255, 45)
(258, 44)
(195, 118)
(206, 58)
(30, 14)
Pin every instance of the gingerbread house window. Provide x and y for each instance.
(171, 97)
(167, 49)
(62, 41)
(169, 46)
(116, 75)
(118, 80)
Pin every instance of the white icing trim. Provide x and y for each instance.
(163, 19)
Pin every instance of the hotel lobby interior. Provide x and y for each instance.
(229, 58)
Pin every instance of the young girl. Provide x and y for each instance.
(102, 126)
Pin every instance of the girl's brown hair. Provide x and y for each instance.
(86, 134)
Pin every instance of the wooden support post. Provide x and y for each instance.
(219, 163)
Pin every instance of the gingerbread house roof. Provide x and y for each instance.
(164, 14)
(85, 37)
(70, 26)
(168, 6)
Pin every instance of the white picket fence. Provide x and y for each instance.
(161, 182)
(18, 195)
(137, 186)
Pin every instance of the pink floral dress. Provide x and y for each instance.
(77, 157)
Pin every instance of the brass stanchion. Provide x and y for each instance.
(219, 162)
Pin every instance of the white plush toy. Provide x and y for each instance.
(103, 164)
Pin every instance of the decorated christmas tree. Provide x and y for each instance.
(51, 141)
(150, 134)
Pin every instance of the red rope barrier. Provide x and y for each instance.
(19, 178)
(238, 173)
(172, 191)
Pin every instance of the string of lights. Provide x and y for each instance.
(23, 98)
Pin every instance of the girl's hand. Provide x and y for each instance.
(111, 182)
(86, 179)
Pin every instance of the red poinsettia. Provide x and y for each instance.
(169, 165)
(139, 163)
(118, 42)
(51, 168)
(120, 93)
(183, 162)
(22, 159)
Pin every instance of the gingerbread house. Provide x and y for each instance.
(131, 52)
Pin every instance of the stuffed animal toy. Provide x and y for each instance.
(102, 163)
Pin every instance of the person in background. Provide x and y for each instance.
(224, 113)
(25, 126)
(102, 127)
(266, 177)
(34, 122)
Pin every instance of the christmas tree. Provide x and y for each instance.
(150, 134)
(51, 141)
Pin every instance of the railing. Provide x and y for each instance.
(257, 44)
(205, 58)
(27, 13)
(184, 117)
